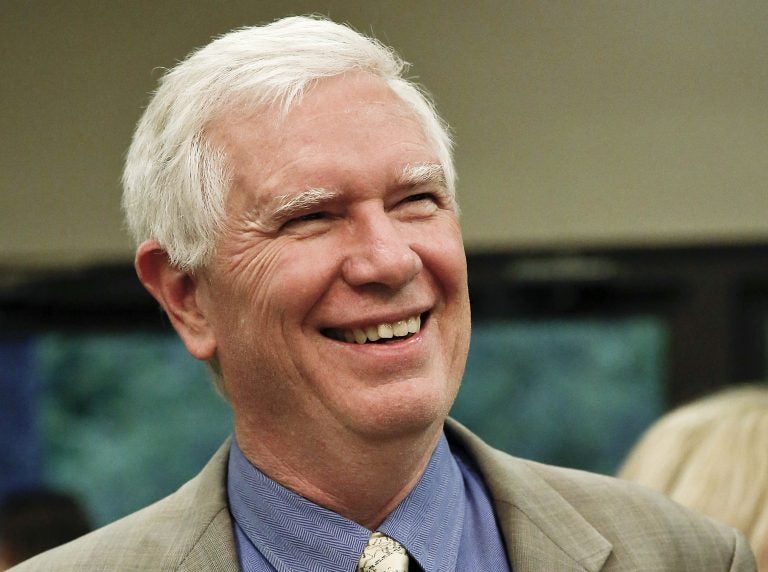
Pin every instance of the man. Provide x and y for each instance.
(293, 201)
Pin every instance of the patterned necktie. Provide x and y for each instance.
(383, 554)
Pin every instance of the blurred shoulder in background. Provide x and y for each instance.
(711, 455)
(35, 520)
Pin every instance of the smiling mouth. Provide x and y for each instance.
(378, 333)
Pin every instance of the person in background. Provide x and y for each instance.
(712, 455)
(292, 198)
(35, 520)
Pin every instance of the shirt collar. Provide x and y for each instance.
(294, 533)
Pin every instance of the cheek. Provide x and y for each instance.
(447, 264)
(443, 255)
(248, 272)
(252, 276)
(277, 283)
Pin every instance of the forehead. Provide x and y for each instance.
(349, 125)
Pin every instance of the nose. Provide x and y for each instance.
(379, 253)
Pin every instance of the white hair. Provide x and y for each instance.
(175, 182)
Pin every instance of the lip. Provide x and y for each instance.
(374, 320)
(374, 364)
(376, 357)
(332, 334)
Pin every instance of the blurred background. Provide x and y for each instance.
(612, 156)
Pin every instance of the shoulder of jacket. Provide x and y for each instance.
(157, 537)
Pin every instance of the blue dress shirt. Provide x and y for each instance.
(446, 522)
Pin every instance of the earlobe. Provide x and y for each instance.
(178, 292)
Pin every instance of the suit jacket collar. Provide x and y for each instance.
(208, 518)
(541, 529)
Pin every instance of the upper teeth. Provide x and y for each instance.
(384, 331)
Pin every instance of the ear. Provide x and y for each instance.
(179, 293)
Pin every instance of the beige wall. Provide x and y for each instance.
(578, 123)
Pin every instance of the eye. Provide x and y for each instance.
(311, 223)
(420, 197)
(309, 217)
(419, 205)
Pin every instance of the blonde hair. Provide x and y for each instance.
(175, 182)
(712, 456)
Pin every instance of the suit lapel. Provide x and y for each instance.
(542, 530)
(207, 520)
(215, 551)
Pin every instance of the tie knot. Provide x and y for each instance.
(383, 554)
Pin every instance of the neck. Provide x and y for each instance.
(361, 478)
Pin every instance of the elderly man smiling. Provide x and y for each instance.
(292, 197)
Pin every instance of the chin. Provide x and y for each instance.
(412, 419)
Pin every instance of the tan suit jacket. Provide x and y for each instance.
(552, 519)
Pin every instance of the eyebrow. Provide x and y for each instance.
(423, 173)
(284, 206)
